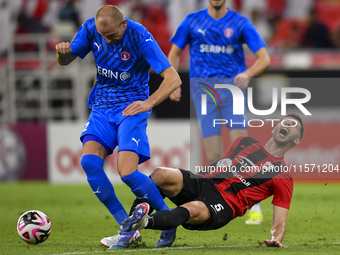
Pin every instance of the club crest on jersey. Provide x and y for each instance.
(225, 162)
(125, 56)
(228, 32)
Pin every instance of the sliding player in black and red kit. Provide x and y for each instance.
(249, 172)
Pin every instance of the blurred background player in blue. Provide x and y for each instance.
(215, 36)
(123, 51)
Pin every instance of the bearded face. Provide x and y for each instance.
(287, 131)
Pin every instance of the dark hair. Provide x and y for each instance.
(297, 117)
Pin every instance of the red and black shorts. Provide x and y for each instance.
(198, 188)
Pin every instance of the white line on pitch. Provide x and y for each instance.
(151, 249)
(177, 248)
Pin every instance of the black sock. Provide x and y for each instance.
(165, 220)
(138, 201)
(135, 203)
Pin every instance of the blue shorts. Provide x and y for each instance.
(222, 113)
(126, 132)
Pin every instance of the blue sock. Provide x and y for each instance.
(102, 187)
(145, 189)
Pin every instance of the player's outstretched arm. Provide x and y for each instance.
(278, 230)
(262, 62)
(173, 57)
(170, 83)
(64, 56)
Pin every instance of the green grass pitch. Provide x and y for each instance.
(79, 221)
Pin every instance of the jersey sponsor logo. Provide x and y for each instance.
(202, 31)
(149, 40)
(245, 162)
(125, 56)
(124, 76)
(217, 49)
(107, 73)
(98, 46)
(228, 32)
(113, 75)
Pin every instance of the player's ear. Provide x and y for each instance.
(124, 23)
(297, 141)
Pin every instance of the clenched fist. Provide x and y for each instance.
(63, 48)
(64, 56)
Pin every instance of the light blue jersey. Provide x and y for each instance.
(122, 78)
(216, 49)
(123, 68)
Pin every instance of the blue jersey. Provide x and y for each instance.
(216, 45)
(123, 68)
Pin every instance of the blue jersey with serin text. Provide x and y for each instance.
(216, 49)
(122, 68)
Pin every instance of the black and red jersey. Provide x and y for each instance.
(248, 174)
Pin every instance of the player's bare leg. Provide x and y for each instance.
(213, 147)
(169, 180)
(127, 162)
(94, 148)
(199, 212)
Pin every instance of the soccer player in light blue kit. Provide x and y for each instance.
(215, 36)
(123, 51)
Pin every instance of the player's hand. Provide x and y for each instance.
(273, 243)
(242, 80)
(137, 107)
(63, 48)
(176, 95)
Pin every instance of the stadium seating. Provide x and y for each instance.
(328, 13)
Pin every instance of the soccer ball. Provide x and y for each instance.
(34, 227)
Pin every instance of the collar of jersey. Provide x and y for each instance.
(128, 24)
(221, 19)
(127, 28)
(261, 146)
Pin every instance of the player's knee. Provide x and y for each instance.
(159, 176)
(91, 167)
(197, 210)
(124, 170)
(194, 209)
